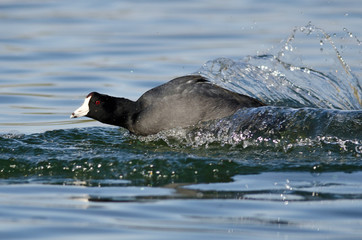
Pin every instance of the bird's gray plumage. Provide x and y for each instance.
(181, 102)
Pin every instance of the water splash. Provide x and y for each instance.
(282, 78)
(323, 37)
(313, 108)
(274, 129)
(251, 141)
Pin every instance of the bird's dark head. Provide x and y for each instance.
(97, 106)
(106, 109)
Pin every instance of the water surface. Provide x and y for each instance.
(290, 170)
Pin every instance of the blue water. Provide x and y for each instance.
(290, 170)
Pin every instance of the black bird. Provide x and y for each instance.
(181, 102)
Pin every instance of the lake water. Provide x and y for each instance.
(291, 170)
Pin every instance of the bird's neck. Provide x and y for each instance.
(125, 113)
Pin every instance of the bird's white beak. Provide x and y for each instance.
(82, 110)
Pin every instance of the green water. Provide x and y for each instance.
(251, 141)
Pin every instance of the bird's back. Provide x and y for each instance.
(186, 101)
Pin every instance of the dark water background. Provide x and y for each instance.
(291, 170)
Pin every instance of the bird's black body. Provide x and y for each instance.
(181, 102)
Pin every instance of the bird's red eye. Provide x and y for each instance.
(98, 102)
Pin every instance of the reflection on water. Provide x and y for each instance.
(56, 123)
(142, 212)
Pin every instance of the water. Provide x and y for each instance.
(290, 170)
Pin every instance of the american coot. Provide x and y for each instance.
(181, 102)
